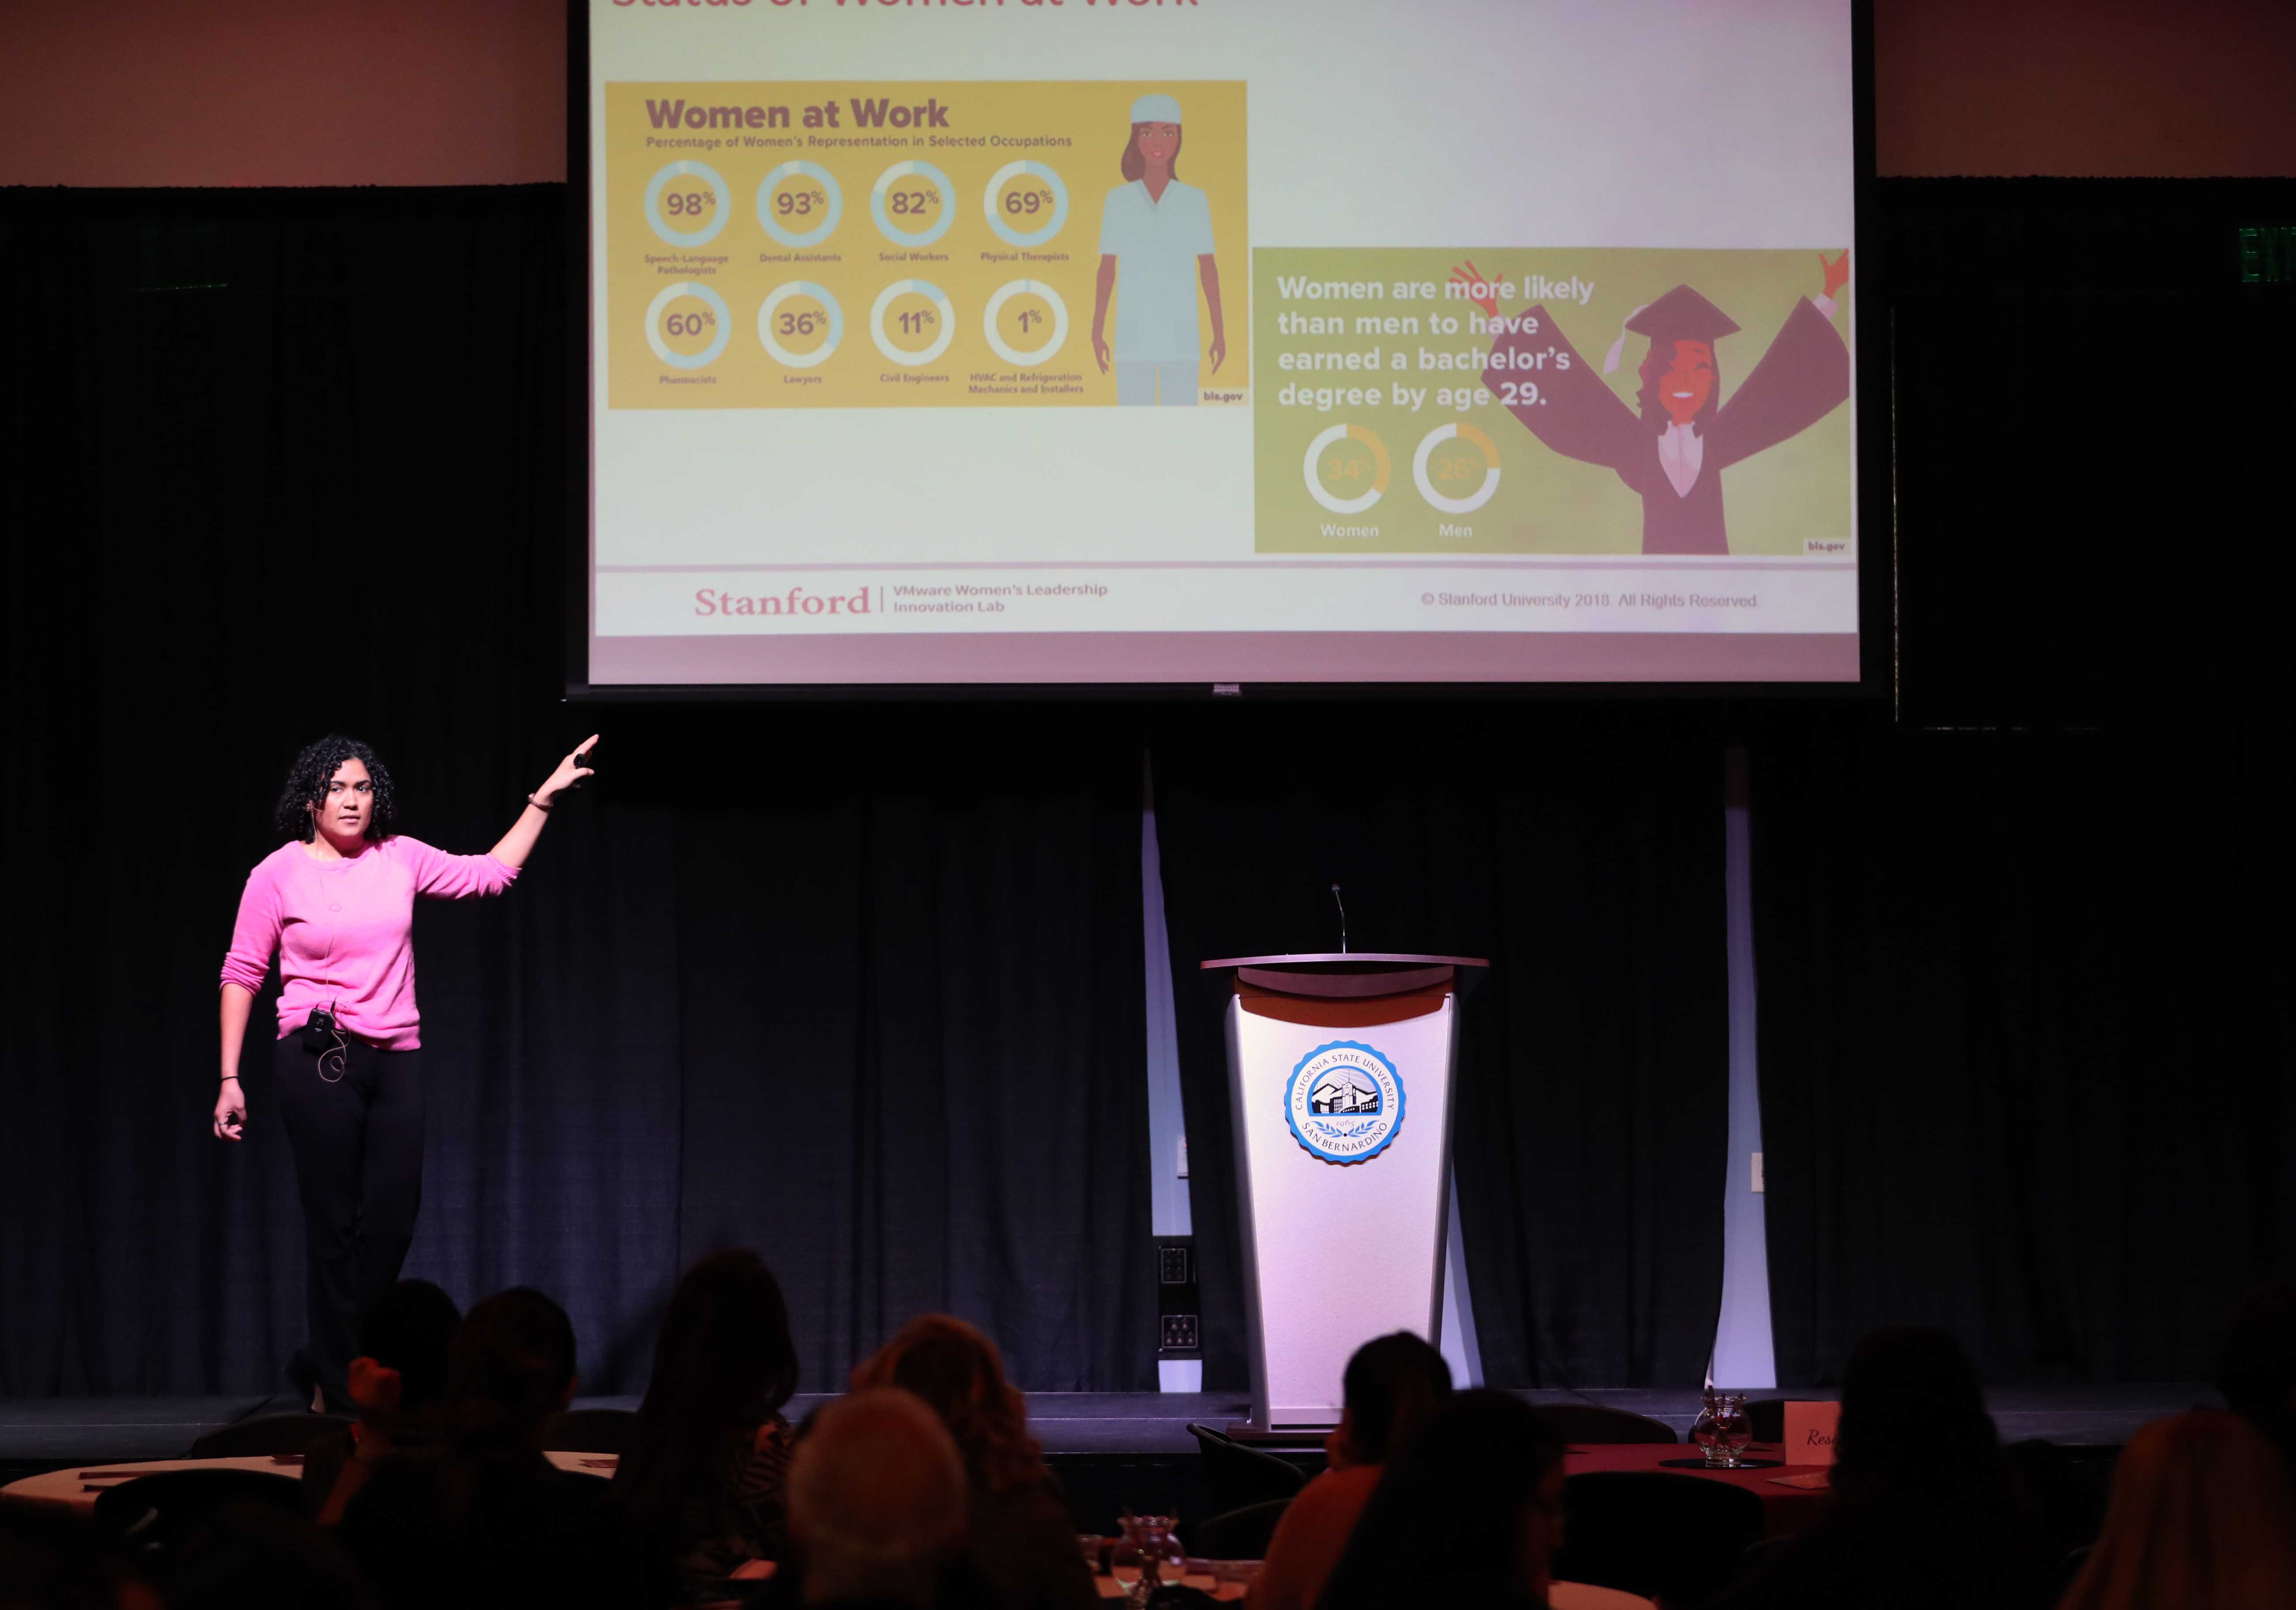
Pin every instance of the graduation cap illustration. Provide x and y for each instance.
(1681, 314)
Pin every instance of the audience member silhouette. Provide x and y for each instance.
(923, 1490)
(248, 1555)
(1469, 1513)
(1392, 1386)
(49, 1559)
(399, 1383)
(2255, 1369)
(1022, 1538)
(2203, 1518)
(705, 1476)
(488, 1520)
(877, 1508)
(1924, 1513)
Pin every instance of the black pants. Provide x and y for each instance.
(358, 1164)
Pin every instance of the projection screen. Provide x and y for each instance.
(997, 342)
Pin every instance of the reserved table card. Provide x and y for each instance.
(1810, 1433)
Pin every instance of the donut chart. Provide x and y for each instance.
(942, 317)
(686, 203)
(773, 322)
(1435, 439)
(1044, 195)
(891, 200)
(1059, 315)
(1377, 468)
(817, 196)
(717, 321)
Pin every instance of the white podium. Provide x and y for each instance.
(1339, 1071)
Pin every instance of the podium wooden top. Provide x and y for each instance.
(1344, 961)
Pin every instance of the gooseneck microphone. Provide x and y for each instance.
(1344, 918)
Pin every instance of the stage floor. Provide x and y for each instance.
(48, 1431)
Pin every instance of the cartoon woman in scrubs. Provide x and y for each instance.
(1156, 233)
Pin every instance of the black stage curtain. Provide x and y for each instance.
(1579, 849)
(916, 1040)
(2025, 1071)
(2021, 1077)
(862, 984)
(860, 988)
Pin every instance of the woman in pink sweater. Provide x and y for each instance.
(336, 903)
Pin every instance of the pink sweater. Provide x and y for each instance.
(343, 929)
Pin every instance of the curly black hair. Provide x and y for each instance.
(307, 786)
(1655, 418)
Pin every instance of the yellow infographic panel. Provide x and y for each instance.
(873, 245)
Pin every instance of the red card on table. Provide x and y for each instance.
(1810, 1433)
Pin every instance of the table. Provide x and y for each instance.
(1586, 1596)
(74, 1488)
(1785, 1510)
(1108, 1587)
(1560, 1596)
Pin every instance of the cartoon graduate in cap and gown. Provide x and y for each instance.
(1672, 447)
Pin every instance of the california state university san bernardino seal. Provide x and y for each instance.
(1344, 1102)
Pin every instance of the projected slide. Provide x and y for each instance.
(1240, 340)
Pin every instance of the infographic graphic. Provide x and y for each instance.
(872, 245)
(1551, 401)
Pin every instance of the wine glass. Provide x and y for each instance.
(1146, 1556)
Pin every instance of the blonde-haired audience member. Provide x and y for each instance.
(2203, 1517)
(876, 1503)
(1023, 1537)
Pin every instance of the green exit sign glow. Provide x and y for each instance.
(2268, 254)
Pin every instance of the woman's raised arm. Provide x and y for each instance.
(517, 843)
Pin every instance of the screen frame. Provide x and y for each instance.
(1874, 494)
